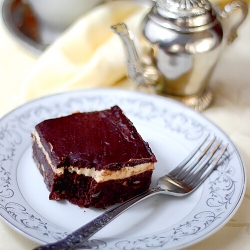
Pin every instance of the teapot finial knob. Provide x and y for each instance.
(187, 5)
(184, 15)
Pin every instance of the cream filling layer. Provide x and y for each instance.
(98, 175)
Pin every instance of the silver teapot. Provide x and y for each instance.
(180, 43)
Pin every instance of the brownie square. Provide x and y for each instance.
(92, 158)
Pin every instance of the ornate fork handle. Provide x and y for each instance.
(85, 232)
(181, 181)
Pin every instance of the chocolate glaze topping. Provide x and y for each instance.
(102, 139)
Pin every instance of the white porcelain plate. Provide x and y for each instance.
(160, 222)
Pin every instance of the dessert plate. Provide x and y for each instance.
(159, 222)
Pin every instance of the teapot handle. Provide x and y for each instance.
(230, 7)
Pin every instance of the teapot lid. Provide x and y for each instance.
(183, 15)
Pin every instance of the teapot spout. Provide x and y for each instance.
(134, 67)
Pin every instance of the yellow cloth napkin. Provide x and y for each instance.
(87, 55)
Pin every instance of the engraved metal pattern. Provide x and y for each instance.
(188, 5)
(184, 13)
(199, 102)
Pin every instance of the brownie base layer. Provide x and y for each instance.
(85, 191)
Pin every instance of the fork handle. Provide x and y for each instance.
(85, 232)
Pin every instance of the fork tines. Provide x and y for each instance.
(196, 167)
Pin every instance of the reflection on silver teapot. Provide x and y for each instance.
(180, 42)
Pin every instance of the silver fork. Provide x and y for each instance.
(181, 181)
